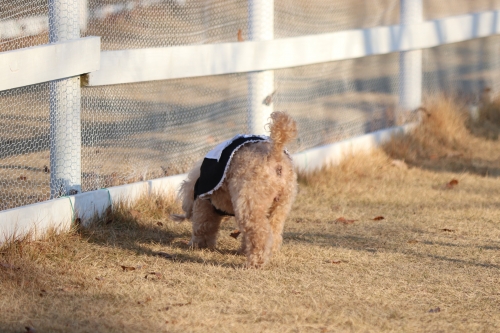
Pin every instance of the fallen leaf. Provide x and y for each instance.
(180, 304)
(344, 220)
(335, 262)
(156, 274)
(135, 214)
(148, 299)
(99, 278)
(399, 164)
(451, 184)
(159, 224)
(30, 329)
(211, 139)
(454, 154)
(378, 218)
(163, 255)
(127, 268)
(240, 36)
(435, 310)
(434, 157)
(70, 287)
(447, 230)
(269, 99)
(235, 234)
(412, 241)
(8, 266)
(424, 111)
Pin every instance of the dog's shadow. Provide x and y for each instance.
(170, 238)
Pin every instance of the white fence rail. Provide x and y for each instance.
(139, 65)
(127, 66)
(24, 67)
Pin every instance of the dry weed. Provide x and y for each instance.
(443, 141)
(487, 124)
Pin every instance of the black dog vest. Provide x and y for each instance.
(216, 163)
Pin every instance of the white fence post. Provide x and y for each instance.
(84, 14)
(260, 84)
(65, 126)
(410, 62)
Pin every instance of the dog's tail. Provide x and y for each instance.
(283, 130)
(186, 194)
(178, 217)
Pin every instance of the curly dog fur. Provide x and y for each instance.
(259, 189)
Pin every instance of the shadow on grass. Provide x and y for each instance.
(121, 229)
(389, 245)
(478, 166)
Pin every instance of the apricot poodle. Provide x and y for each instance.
(250, 177)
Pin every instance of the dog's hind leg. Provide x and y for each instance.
(206, 223)
(250, 212)
(279, 211)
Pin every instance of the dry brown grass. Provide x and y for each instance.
(488, 123)
(445, 142)
(435, 248)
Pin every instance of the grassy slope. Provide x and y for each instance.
(370, 275)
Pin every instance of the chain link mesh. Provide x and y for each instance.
(140, 131)
(24, 146)
(23, 23)
(463, 69)
(338, 100)
(134, 24)
(298, 17)
(437, 9)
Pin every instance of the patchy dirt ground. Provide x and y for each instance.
(375, 244)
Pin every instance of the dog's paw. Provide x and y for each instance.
(255, 261)
(198, 243)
